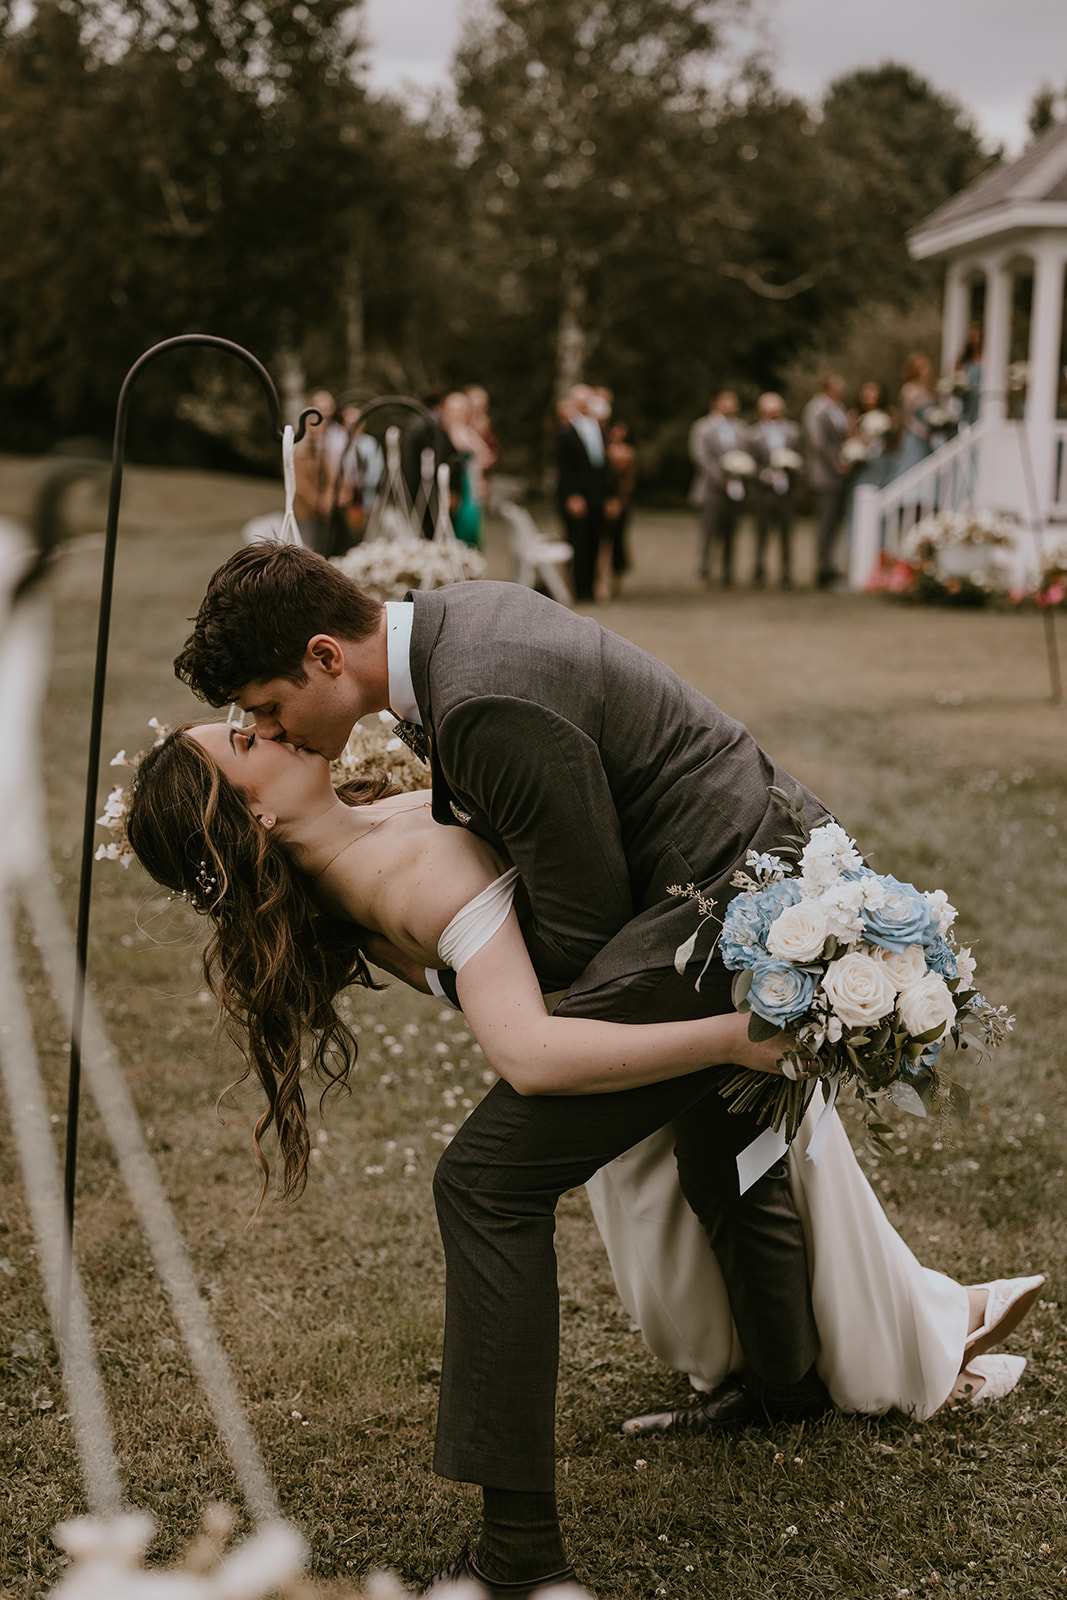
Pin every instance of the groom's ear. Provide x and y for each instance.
(324, 654)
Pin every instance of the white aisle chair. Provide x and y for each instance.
(538, 560)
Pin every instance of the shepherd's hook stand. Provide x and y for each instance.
(181, 341)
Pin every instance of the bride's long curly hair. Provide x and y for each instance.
(275, 962)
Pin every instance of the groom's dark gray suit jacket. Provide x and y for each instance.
(605, 777)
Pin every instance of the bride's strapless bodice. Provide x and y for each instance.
(475, 923)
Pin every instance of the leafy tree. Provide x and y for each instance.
(1048, 107)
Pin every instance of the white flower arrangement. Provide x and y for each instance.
(944, 530)
(388, 568)
(853, 451)
(1053, 568)
(785, 460)
(737, 464)
(874, 424)
(864, 971)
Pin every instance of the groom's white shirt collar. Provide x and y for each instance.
(399, 615)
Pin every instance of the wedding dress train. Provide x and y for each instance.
(892, 1332)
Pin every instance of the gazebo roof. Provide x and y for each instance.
(1029, 192)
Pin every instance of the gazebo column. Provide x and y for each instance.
(996, 339)
(954, 318)
(1043, 363)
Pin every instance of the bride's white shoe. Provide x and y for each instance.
(986, 1378)
(1009, 1301)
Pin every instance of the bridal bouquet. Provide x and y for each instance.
(864, 971)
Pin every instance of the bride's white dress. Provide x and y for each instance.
(891, 1331)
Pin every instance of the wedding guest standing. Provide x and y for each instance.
(581, 484)
(825, 431)
(969, 376)
(917, 392)
(622, 466)
(774, 445)
(427, 433)
(317, 468)
(362, 466)
(718, 494)
(466, 472)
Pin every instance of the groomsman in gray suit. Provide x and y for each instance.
(718, 495)
(607, 780)
(825, 431)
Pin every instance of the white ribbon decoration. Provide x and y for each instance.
(770, 1146)
(290, 532)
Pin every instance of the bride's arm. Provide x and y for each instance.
(540, 1054)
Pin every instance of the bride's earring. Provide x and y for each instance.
(268, 822)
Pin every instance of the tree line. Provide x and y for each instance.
(593, 200)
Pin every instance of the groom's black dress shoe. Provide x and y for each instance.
(465, 1566)
(731, 1405)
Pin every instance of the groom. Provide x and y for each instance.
(607, 780)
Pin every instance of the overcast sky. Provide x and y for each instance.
(990, 54)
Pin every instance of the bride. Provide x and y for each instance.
(254, 835)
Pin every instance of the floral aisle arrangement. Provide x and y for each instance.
(372, 747)
(864, 971)
(949, 558)
(388, 568)
(1049, 588)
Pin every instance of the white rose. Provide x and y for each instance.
(798, 933)
(927, 1004)
(903, 966)
(859, 989)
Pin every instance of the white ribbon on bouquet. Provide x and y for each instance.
(770, 1146)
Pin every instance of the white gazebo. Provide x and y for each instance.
(1004, 242)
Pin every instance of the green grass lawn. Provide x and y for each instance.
(931, 736)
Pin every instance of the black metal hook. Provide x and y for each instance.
(211, 341)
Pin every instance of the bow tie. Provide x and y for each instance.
(414, 737)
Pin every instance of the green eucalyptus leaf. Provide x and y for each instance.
(741, 985)
(960, 1100)
(759, 1028)
(684, 952)
(904, 1096)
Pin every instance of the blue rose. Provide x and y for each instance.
(747, 919)
(780, 992)
(940, 959)
(905, 919)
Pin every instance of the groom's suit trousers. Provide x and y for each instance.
(497, 1187)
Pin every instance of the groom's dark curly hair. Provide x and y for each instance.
(261, 608)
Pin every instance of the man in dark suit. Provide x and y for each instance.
(774, 445)
(581, 483)
(425, 435)
(607, 780)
